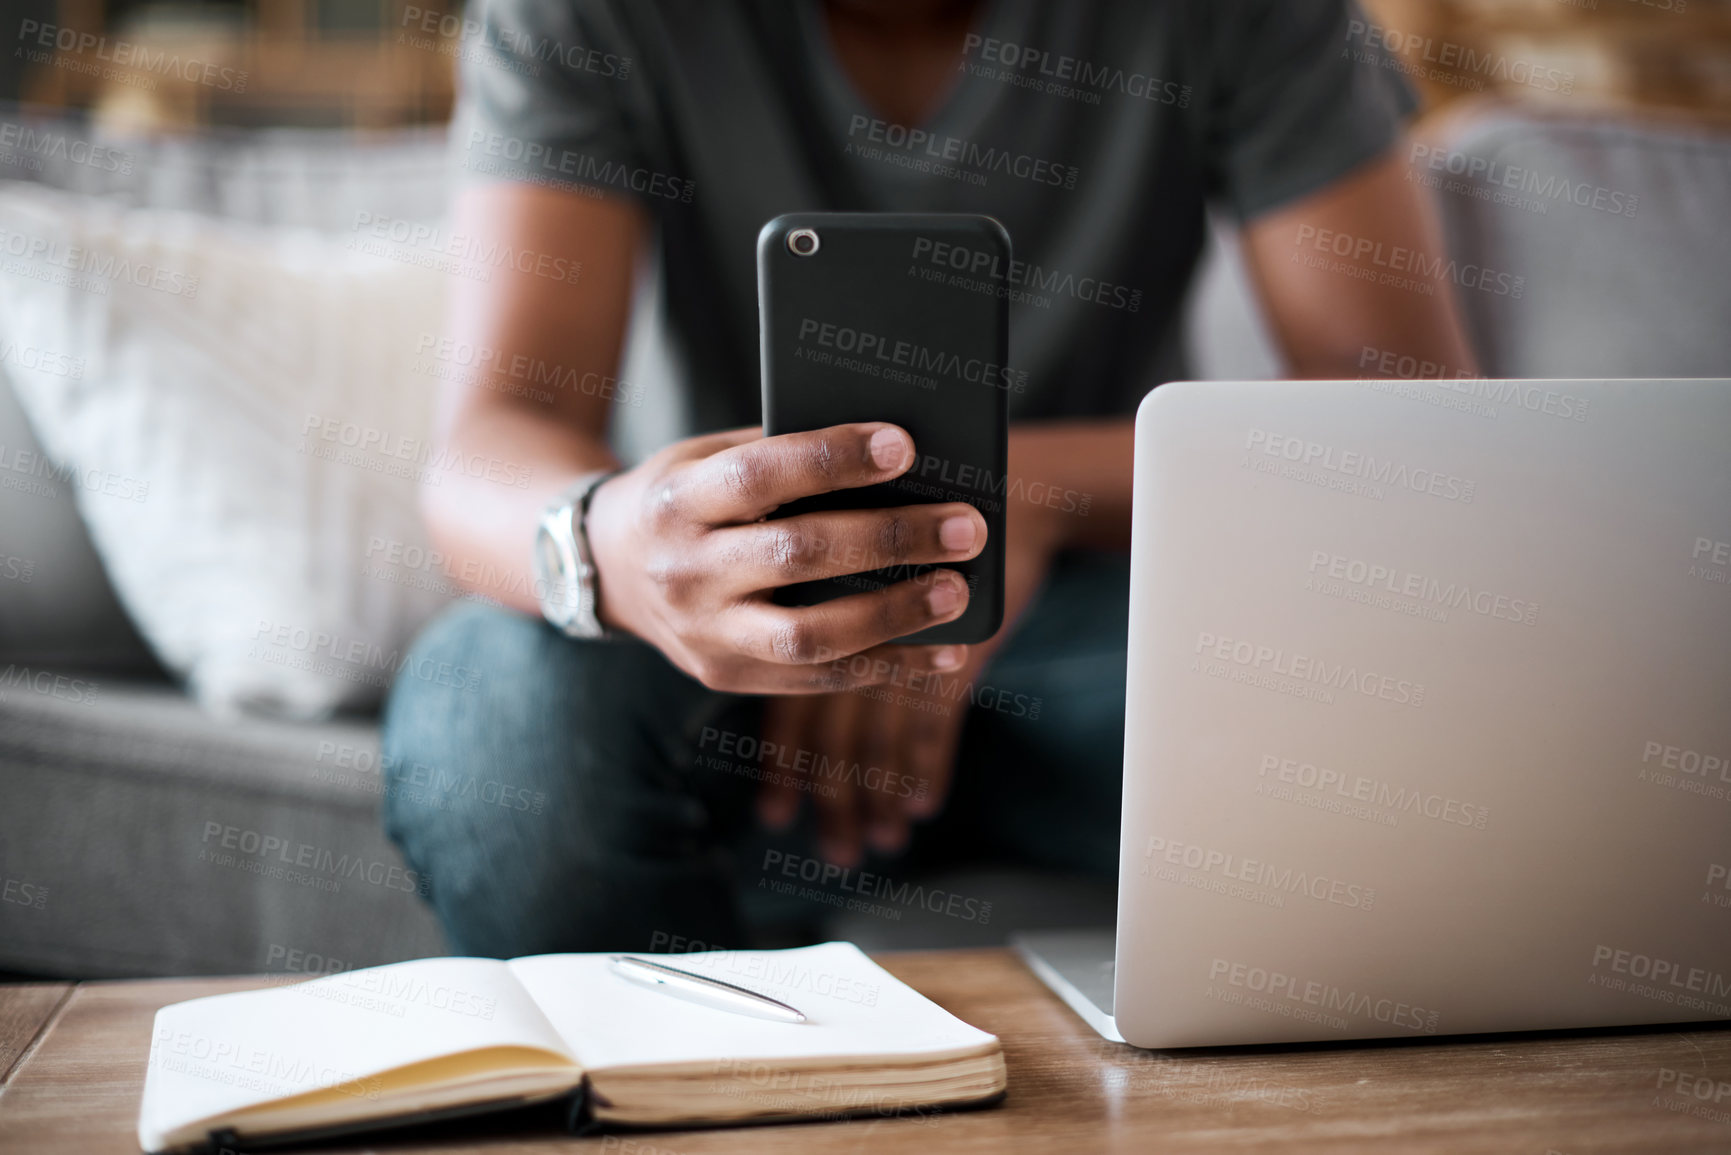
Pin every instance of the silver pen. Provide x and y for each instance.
(700, 988)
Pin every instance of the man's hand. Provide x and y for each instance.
(687, 562)
(879, 757)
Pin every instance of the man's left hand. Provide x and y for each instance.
(878, 758)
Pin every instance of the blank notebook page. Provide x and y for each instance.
(853, 1007)
(215, 1055)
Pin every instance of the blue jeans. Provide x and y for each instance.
(565, 795)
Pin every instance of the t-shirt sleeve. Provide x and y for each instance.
(552, 92)
(1302, 98)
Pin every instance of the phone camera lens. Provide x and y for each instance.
(802, 242)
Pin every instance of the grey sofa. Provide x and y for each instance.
(115, 807)
(113, 816)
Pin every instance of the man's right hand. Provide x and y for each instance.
(687, 562)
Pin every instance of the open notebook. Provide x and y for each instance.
(447, 1036)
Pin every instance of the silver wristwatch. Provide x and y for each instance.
(564, 568)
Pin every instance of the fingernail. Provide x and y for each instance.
(946, 595)
(889, 448)
(887, 836)
(947, 658)
(957, 533)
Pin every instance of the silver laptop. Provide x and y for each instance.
(1429, 714)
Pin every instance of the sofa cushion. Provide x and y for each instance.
(246, 439)
(1615, 229)
(140, 836)
(297, 177)
(57, 607)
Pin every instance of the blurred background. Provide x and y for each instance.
(316, 63)
(223, 267)
(369, 64)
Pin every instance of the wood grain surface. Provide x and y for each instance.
(1638, 1091)
(25, 1008)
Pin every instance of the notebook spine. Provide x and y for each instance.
(223, 1142)
(579, 1110)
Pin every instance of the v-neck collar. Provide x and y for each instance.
(965, 103)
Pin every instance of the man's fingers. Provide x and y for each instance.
(708, 444)
(738, 485)
(886, 775)
(869, 668)
(932, 740)
(835, 797)
(786, 722)
(838, 629)
(883, 665)
(770, 554)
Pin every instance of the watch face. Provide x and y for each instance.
(550, 558)
(554, 568)
(565, 574)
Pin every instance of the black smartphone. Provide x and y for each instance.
(899, 317)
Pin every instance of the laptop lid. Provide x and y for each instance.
(1429, 710)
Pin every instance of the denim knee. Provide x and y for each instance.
(543, 786)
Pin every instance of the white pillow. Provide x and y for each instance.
(224, 367)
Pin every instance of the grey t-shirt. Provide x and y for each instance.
(1097, 131)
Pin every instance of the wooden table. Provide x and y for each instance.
(72, 1066)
